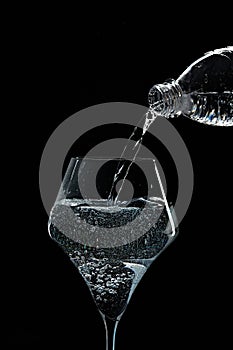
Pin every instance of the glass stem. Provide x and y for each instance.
(110, 327)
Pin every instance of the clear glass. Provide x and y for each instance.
(112, 243)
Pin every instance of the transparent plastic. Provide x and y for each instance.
(203, 92)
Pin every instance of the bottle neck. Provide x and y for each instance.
(166, 99)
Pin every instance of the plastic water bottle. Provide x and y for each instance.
(204, 92)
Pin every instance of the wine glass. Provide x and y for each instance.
(112, 243)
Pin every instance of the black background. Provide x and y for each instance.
(70, 63)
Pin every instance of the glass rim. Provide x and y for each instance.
(112, 158)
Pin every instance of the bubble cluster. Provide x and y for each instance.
(110, 283)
